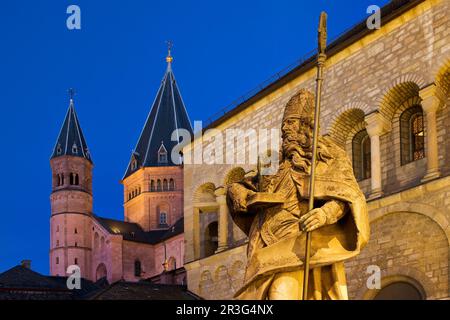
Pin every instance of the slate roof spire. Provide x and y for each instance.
(71, 140)
(167, 114)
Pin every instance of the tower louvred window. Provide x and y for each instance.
(74, 149)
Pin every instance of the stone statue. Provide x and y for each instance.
(273, 212)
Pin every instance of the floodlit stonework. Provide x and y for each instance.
(149, 243)
(391, 85)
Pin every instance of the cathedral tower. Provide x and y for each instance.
(153, 181)
(71, 200)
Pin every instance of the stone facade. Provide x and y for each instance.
(145, 205)
(368, 85)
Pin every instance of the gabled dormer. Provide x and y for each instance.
(162, 155)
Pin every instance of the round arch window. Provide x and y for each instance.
(401, 290)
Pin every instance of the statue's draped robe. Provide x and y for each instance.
(276, 244)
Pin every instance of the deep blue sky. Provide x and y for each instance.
(222, 49)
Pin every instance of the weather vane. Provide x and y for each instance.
(169, 57)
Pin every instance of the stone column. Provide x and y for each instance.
(196, 233)
(376, 126)
(223, 218)
(430, 104)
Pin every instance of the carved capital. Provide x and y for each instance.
(221, 193)
(376, 124)
(432, 98)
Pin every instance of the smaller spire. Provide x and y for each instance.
(169, 57)
(70, 141)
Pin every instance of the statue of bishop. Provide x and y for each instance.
(273, 212)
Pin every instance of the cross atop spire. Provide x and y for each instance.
(169, 57)
(71, 92)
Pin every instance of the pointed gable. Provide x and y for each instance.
(71, 140)
(167, 114)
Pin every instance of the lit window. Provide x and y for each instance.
(361, 155)
(417, 137)
(412, 135)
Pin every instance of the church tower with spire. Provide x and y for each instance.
(71, 199)
(153, 181)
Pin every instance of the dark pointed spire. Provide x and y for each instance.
(167, 114)
(70, 140)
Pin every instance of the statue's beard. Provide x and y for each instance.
(297, 149)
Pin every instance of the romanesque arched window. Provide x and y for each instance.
(165, 185)
(101, 272)
(71, 179)
(171, 185)
(412, 135)
(361, 155)
(62, 179)
(76, 179)
(211, 239)
(137, 268)
(171, 264)
(158, 185)
(400, 291)
(152, 185)
(96, 241)
(163, 218)
(57, 260)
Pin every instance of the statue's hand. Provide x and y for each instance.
(312, 220)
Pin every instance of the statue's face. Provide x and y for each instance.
(298, 131)
(290, 127)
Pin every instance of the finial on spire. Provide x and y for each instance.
(322, 36)
(71, 92)
(169, 57)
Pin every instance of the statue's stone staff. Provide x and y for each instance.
(321, 58)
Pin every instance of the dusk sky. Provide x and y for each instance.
(222, 49)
